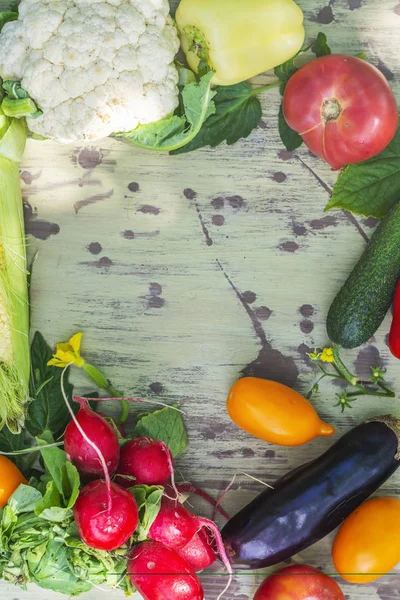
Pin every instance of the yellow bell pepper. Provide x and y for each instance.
(239, 38)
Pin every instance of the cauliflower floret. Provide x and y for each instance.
(94, 67)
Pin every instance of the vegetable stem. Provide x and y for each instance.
(390, 393)
(266, 88)
(30, 450)
(102, 382)
(365, 392)
(341, 367)
(326, 374)
(124, 404)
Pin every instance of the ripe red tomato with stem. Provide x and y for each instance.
(299, 582)
(342, 107)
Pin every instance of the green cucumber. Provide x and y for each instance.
(361, 305)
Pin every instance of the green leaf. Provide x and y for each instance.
(320, 47)
(122, 440)
(8, 522)
(290, 138)
(17, 102)
(6, 17)
(24, 499)
(53, 572)
(63, 473)
(97, 566)
(166, 425)
(51, 508)
(203, 68)
(74, 483)
(370, 188)
(285, 71)
(362, 54)
(54, 461)
(185, 75)
(14, 90)
(13, 442)
(48, 410)
(148, 500)
(237, 113)
(176, 131)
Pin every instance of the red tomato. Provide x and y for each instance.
(342, 107)
(299, 582)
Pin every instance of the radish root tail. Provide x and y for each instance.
(82, 401)
(191, 489)
(171, 469)
(221, 550)
(221, 497)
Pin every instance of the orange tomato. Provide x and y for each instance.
(10, 479)
(274, 413)
(299, 582)
(367, 544)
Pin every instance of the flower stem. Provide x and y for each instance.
(326, 374)
(341, 367)
(124, 404)
(102, 382)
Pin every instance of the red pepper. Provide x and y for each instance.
(394, 335)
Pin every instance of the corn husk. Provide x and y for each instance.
(14, 306)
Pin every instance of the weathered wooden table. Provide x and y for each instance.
(186, 272)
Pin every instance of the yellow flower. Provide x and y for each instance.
(327, 356)
(67, 353)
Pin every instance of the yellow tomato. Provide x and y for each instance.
(368, 543)
(239, 38)
(274, 413)
(10, 479)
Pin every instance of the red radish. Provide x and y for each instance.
(174, 526)
(84, 455)
(105, 521)
(200, 551)
(159, 573)
(148, 461)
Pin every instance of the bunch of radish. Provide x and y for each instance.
(179, 543)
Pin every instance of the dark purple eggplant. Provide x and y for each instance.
(311, 501)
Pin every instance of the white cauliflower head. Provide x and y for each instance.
(94, 67)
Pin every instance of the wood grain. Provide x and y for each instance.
(185, 272)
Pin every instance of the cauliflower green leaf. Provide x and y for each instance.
(175, 131)
(17, 102)
(6, 16)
